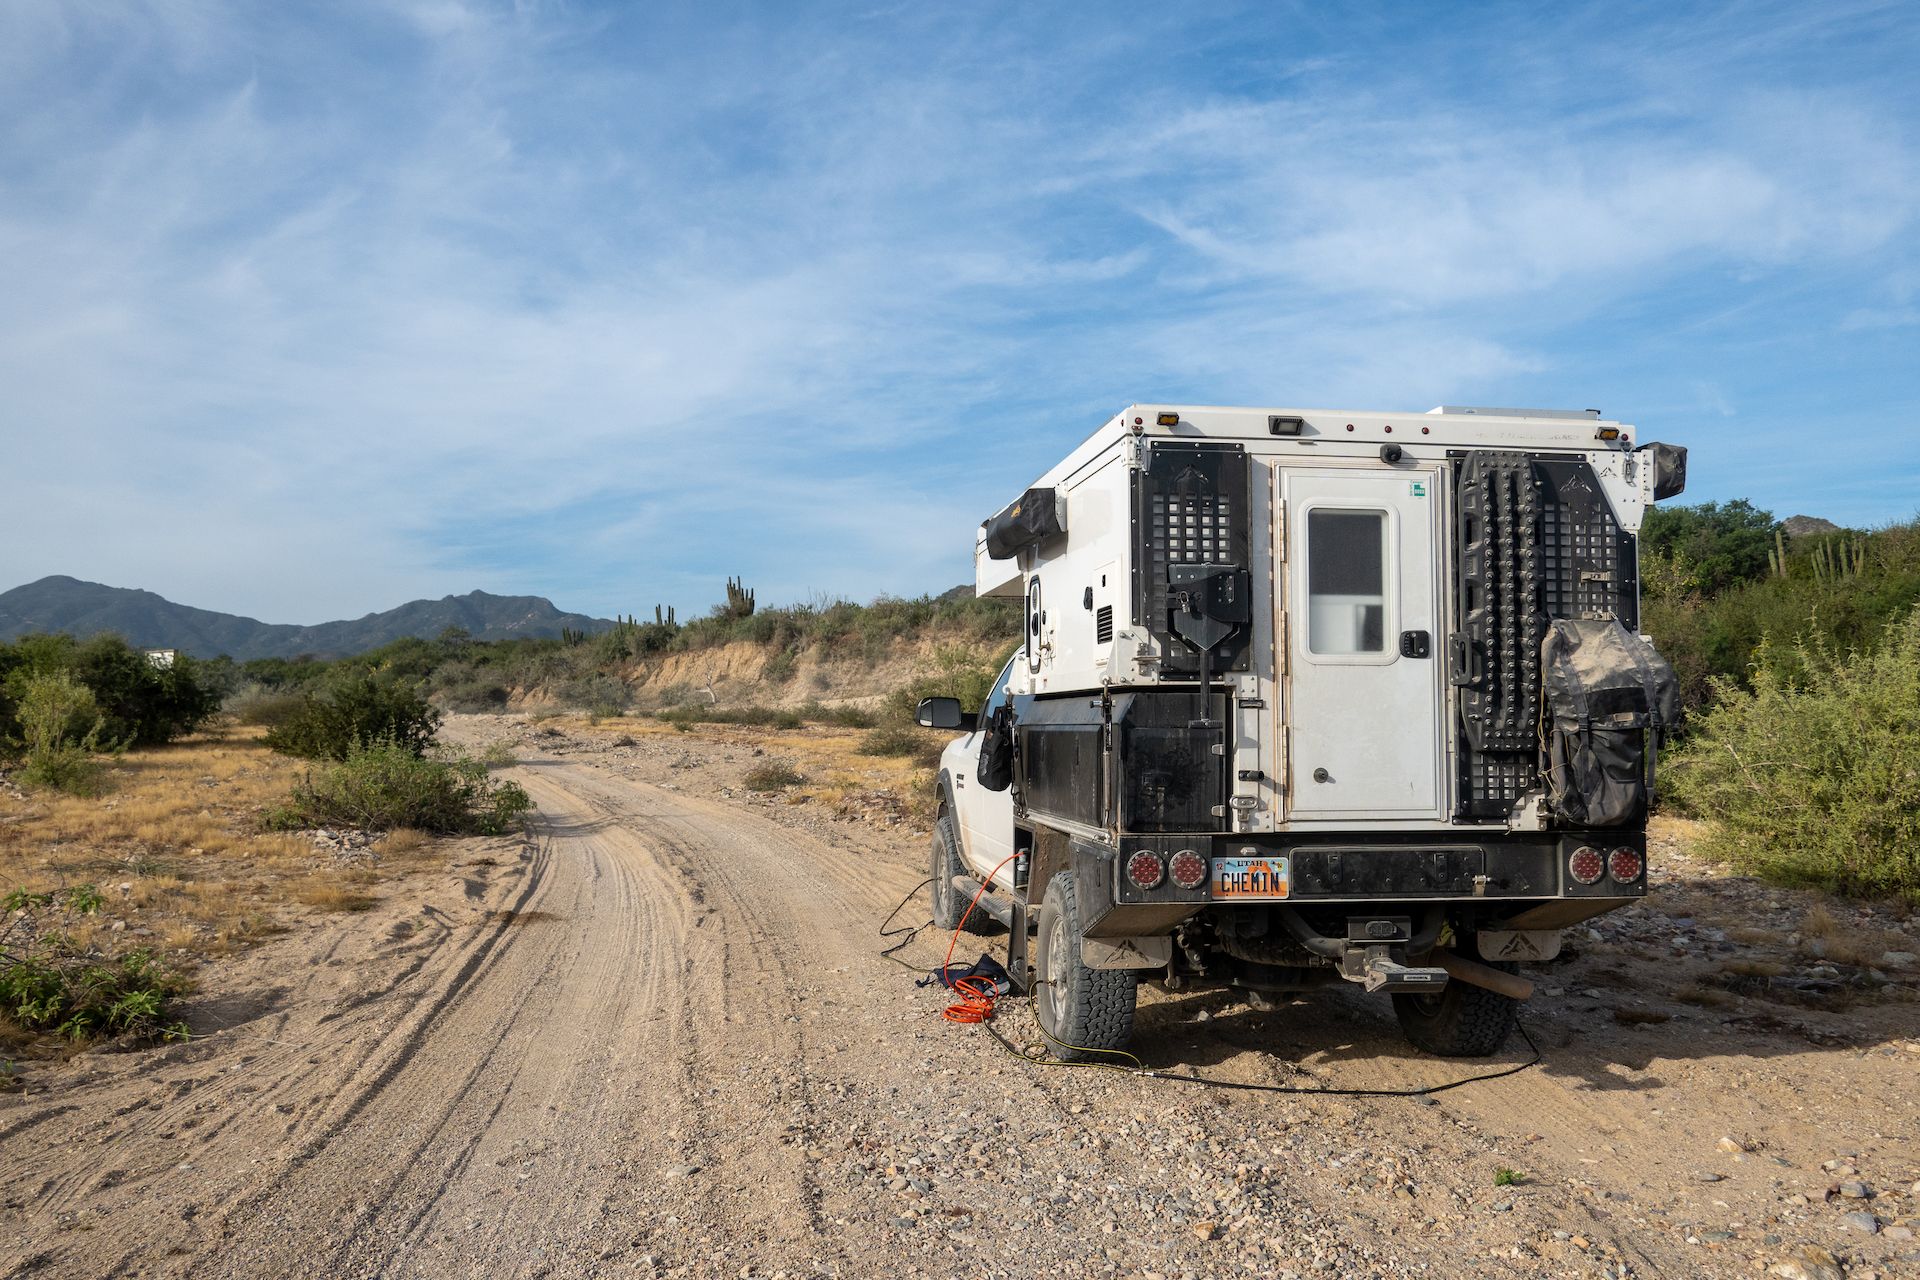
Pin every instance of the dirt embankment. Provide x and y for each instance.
(847, 670)
(658, 1040)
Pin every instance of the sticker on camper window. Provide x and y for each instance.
(1251, 878)
(1418, 488)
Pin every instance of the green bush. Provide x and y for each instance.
(1812, 776)
(82, 998)
(596, 693)
(958, 673)
(385, 786)
(354, 710)
(1839, 590)
(47, 984)
(60, 727)
(139, 703)
(1719, 544)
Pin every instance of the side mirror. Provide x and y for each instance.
(942, 713)
(1669, 463)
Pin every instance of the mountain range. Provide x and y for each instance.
(149, 621)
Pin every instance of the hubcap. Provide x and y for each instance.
(942, 877)
(1056, 974)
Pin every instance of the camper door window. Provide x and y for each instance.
(1346, 581)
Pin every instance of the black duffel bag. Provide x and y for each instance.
(1609, 698)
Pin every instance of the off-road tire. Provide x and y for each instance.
(1082, 1010)
(949, 904)
(1460, 1020)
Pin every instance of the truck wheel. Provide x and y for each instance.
(1460, 1020)
(948, 902)
(1082, 1010)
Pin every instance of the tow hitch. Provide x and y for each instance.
(1374, 968)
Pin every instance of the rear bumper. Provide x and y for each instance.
(1512, 873)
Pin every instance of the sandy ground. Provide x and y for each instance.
(657, 1038)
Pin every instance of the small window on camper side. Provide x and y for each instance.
(1346, 581)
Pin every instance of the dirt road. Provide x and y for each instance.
(659, 1040)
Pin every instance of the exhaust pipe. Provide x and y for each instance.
(1461, 969)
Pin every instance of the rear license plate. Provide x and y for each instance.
(1251, 877)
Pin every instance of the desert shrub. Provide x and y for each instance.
(285, 673)
(385, 786)
(351, 711)
(1812, 775)
(60, 728)
(773, 775)
(262, 705)
(767, 717)
(781, 666)
(847, 717)
(498, 755)
(957, 673)
(899, 740)
(48, 984)
(1838, 590)
(82, 997)
(468, 688)
(596, 693)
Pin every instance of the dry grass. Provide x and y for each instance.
(1826, 936)
(323, 894)
(404, 841)
(174, 844)
(1753, 968)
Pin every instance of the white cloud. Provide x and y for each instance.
(307, 318)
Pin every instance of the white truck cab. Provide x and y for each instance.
(1307, 696)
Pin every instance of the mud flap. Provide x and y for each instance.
(1523, 945)
(1126, 953)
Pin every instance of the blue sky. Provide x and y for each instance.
(309, 310)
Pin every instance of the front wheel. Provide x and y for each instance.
(948, 904)
(1460, 1020)
(1085, 1013)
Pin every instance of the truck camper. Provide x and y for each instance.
(1311, 696)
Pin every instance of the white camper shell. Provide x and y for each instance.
(1309, 694)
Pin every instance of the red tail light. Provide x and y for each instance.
(1188, 869)
(1625, 865)
(1586, 865)
(1146, 870)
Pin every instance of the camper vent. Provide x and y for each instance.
(1103, 625)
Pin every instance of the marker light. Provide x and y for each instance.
(1280, 425)
(1607, 433)
(1625, 865)
(1188, 869)
(1144, 869)
(1168, 419)
(1586, 865)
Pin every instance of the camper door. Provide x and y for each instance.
(1364, 698)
